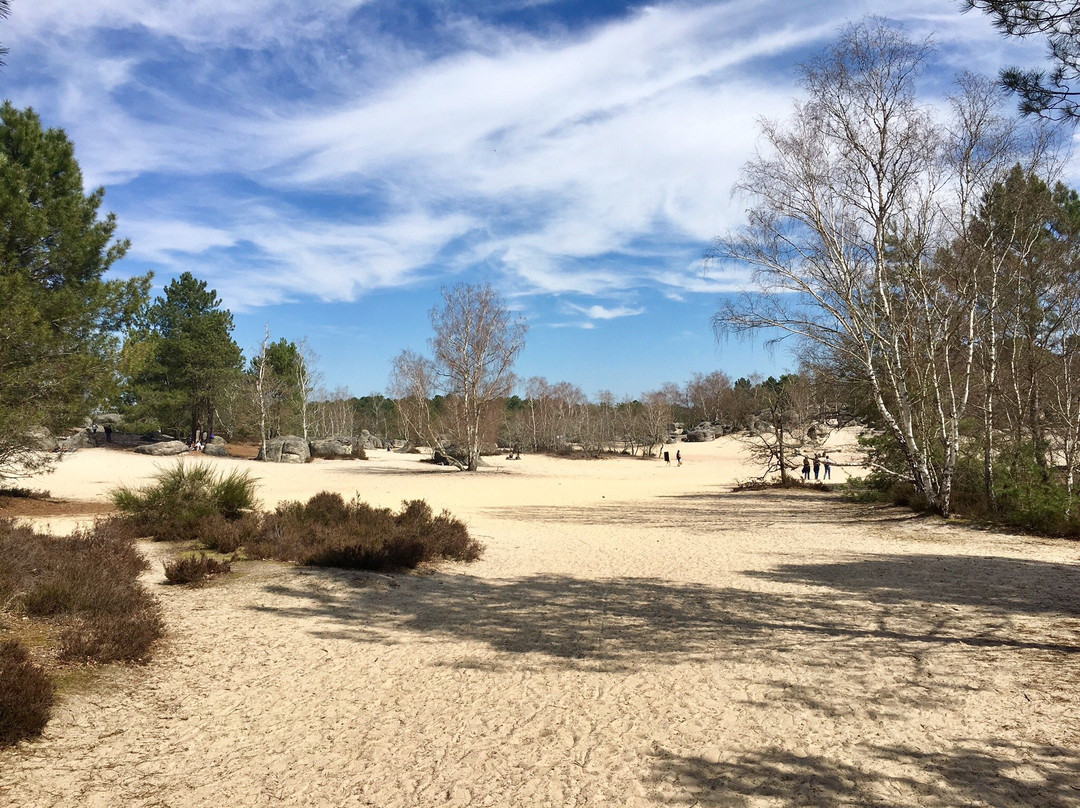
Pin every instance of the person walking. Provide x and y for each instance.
(817, 466)
(108, 433)
(828, 467)
(806, 468)
(678, 457)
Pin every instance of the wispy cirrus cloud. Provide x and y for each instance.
(286, 151)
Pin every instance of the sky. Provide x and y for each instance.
(329, 166)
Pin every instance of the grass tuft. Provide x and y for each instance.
(174, 505)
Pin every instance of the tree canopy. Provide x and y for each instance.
(183, 357)
(5, 9)
(60, 318)
(1052, 93)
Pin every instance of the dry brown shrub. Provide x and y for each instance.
(26, 695)
(193, 569)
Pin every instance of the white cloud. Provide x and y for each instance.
(550, 160)
(597, 312)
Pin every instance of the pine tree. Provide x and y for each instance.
(59, 318)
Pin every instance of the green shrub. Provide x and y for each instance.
(327, 531)
(26, 695)
(193, 569)
(170, 509)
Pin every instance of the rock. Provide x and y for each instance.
(215, 449)
(331, 448)
(286, 449)
(156, 437)
(369, 441)
(79, 439)
(700, 435)
(166, 448)
(217, 440)
(42, 439)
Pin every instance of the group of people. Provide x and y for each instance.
(198, 441)
(108, 431)
(822, 467)
(678, 457)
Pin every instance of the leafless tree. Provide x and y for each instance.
(476, 341)
(855, 200)
(261, 388)
(307, 379)
(412, 385)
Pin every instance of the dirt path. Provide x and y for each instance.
(689, 647)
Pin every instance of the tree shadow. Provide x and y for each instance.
(615, 624)
(992, 583)
(1007, 776)
(720, 511)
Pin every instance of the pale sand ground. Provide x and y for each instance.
(634, 635)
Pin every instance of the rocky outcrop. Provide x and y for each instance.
(166, 448)
(216, 448)
(286, 449)
(369, 441)
(156, 437)
(704, 431)
(332, 448)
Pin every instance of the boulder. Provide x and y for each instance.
(42, 439)
(331, 448)
(215, 449)
(286, 449)
(78, 439)
(166, 448)
(369, 441)
(156, 437)
(700, 435)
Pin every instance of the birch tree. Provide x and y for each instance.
(854, 200)
(474, 347)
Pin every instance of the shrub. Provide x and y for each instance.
(193, 569)
(111, 636)
(226, 535)
(88, 583)
(329, 532)
(26, 695)
(170, 509)
(24, 493)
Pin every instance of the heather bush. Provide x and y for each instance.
(111, 636)
(327, 531)
(26, 694)
(88, 584)
(223, 535)
(172, 507)
(192, 569)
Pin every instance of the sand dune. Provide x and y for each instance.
(635, 634)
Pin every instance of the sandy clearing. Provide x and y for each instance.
(635, 634)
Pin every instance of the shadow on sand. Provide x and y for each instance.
(894, 603)
(817, 640)
(1012, 777)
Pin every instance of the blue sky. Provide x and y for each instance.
(328, 166)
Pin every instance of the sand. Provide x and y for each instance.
(635, 635)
